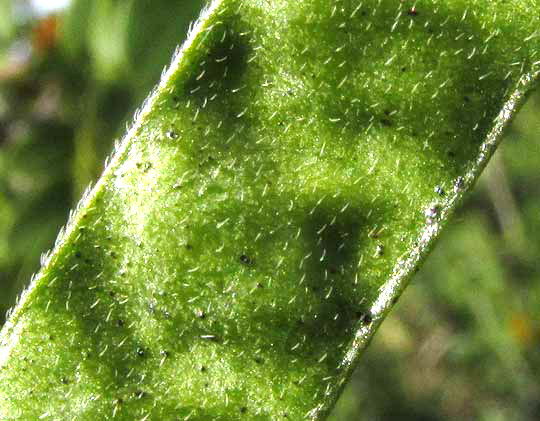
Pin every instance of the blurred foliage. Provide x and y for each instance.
(463, 342)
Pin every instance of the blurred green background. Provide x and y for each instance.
(463, 341)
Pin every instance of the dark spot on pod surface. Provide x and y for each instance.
(140, 352)
(459, 184)
(78, 254)
(243, 410)
(367, 319)
(171, 134)
(364, 318)
(432, 211)
(245, 259)
(119, 323)
(439, 190)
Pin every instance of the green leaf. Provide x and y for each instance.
(270, 203)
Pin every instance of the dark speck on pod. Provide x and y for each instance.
(458, 184)
(412, 11)
(245, 259)
(439, 190)
(367, 319)
(432, 211)
(172, 135)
